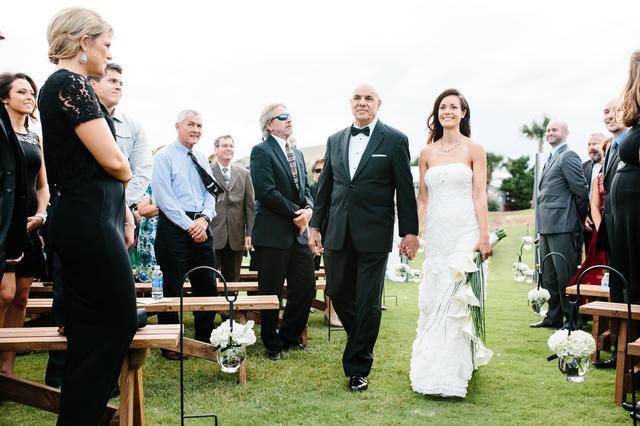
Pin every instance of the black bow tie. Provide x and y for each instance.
(364, 130)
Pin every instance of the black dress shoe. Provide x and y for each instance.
(629, 407)
(544, 324)
(273, 355)
(358, 384)
(610, 363)
(298, 347)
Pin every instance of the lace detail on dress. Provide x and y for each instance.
(443, 361)
(79, 101)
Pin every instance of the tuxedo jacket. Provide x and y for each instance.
(277, 196)
(587, 169)
(235, 210)
(365, 205)
(13, 217)
(563, 197)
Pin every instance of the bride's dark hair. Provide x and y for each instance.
(433, 123)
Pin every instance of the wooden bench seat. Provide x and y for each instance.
(589, 290)
(619, 311)
(131, 409)
(600, 329)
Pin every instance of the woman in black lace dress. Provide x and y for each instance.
(18, 94)
(625, 190)
(91, 224)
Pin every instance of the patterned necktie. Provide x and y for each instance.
(209, 182)
(226, 176)
(292, 164)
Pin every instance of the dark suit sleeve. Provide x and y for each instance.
(405, 195)
(307, 191)
(249, 204)
(325, 188)
(265, 185)
(573, 173)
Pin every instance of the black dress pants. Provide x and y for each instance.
(177, 254)
(228, 262)
(354, 282)
(296, 265)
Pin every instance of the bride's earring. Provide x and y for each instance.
(84, 58)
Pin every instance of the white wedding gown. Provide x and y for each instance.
(443, 361)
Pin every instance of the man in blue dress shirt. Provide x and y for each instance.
(183, 238)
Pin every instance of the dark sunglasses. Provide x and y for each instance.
(281, 117)
(317, 170)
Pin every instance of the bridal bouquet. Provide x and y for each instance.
(229, 341)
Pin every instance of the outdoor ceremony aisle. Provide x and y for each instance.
(518, 387)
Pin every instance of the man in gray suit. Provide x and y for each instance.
(232, 225)
(563, 200)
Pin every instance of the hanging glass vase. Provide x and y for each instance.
(231, 357)
(574, 368)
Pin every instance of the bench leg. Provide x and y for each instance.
(131, 411)
(242, 373)
(596, 336)
(621, 364)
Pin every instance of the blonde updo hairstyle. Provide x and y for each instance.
(67, 28)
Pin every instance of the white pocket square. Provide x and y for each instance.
(378, 155)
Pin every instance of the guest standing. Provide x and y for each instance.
(91, 222)
(283, 211)
(233, 223)
(183, 238)
(18, 93)
(625, 191)
(562, 209)
(591, 169)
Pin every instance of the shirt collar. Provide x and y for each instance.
(556, 148)
(181, 148)
(371, 125)
(618, 139)
(280, 141)
(117, 116)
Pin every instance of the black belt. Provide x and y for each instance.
(192, 215)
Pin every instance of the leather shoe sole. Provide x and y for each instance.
(608, 364)
(542, 324)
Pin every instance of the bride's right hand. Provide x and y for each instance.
(484, 247)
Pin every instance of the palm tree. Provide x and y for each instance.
(536, 131)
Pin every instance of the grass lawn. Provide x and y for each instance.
(518, 387)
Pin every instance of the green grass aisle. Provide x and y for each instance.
(518, 387)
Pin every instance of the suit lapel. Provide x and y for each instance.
(374, 142)
(234, 176)
(553, 160)
(610, 159)
(344, 146)
(217, 173)
(280, 154)
(301, 171)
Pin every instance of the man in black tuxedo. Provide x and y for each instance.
(366, 171)
(591, 169)
(279, 236)
(609, 168)
(13, 218)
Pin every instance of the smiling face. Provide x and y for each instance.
(109, 88)
(611, 111)
(557, 133)
(450, 112)
(365, 104)
(189, 130)
(594, 147)
(225, 150)
(280, 125)
(98, 53)
(22, 97)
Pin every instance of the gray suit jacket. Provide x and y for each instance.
(235, 210)
(563, 196)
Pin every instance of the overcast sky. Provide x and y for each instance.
(513, 60)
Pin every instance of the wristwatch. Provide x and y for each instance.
(199, 215)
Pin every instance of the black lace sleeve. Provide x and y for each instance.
(79, 102)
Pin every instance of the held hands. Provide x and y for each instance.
(484, 247)
(247, 244)
(34, 222)
(302, 219)
(409, 246)
(315, 242)
(198, 230)
(588, 224)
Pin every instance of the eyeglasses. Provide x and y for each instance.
(317, 170)
(281, 117)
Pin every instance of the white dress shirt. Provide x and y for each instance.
(357, 145)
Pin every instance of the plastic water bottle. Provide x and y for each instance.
(605, 280)
(156, 283)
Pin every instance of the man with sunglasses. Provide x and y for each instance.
(366, 170)
(316, 169)
(279, 235)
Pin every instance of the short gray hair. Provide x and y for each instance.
(267, 115)
(182, 115)
(216, 141)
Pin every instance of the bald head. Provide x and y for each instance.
(557, 132)
(365, 103)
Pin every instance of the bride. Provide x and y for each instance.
(453, 175)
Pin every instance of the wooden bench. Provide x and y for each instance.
(600, 330)
(247, 275)
(131, 409)
(619, 311)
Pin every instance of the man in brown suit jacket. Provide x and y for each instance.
(232, 225)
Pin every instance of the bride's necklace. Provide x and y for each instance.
(451, 148)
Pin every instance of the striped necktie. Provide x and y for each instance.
(292, 163)
(226, 176)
